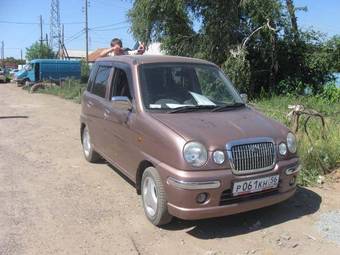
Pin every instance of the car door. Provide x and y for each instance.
(119, 122)
(95, 105)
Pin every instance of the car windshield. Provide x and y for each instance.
(173, 87)
(28, 67)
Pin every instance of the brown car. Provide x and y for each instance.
(181, 132)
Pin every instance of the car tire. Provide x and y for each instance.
(90, 154)
(154, 198)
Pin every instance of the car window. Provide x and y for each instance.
(99, 86)
(172, 85)
(120, 86)
(91, 78)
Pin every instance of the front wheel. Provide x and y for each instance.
(90, 154)
(154, 198)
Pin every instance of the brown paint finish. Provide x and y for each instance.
(128, 136)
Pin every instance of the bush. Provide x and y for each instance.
(84, 71)
(322, 155)
(70, 89)
(331, 93)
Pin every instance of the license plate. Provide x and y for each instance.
(255, 185)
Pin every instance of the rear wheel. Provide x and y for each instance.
(90, 154)
(154, 198)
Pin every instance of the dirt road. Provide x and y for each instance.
(53, 202)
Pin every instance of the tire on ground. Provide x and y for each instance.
(92, 155)
(162, 215)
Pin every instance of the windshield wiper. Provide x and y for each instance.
(227, 107)
(191, 108)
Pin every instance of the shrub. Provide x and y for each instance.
(323, 154)
(331, 93)
(84, 71)
(70, 89)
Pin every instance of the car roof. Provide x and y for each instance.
(148, 59)
(53, 61)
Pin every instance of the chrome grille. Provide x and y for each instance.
(251, 155)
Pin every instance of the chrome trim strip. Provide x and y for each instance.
(246, 141)
(193, 185)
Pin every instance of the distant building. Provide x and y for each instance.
(74, 54)
(95, 54)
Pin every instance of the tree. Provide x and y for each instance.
(293, 19)
(257, 42)
(38, 50)
(332, 47)
(10, 61)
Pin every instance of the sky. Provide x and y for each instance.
(19, 22)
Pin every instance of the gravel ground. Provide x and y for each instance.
(52, 201)
(329, 225)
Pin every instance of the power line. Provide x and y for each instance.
(37, 23)
(74, 38)
(75, 35)
(19, 23)
(111, 25)
(111, 29)
(110, 2)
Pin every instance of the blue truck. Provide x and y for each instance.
(48, 70)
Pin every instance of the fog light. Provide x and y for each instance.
(282, 149)
(292, 170)
(201, 197)
(218, 157)
(292, 181)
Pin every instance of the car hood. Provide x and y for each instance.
(215, 129)
(21, 73)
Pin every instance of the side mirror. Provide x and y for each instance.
(122, 102)
(244, 97)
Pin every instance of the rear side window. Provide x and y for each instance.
(99, 85)
(91, 78)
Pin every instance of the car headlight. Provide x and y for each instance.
(282, 149)
(291, 142)
(195, 154)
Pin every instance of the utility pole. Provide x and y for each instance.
(46, 40)
(86, 33)
(21, 54)
(62, 54)
(41, 36)
(2, 53)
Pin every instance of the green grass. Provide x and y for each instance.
(323, 154)
(71, 90)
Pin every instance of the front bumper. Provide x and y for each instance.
(182, 193)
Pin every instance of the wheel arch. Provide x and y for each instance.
(140, 170)
(82, 126)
